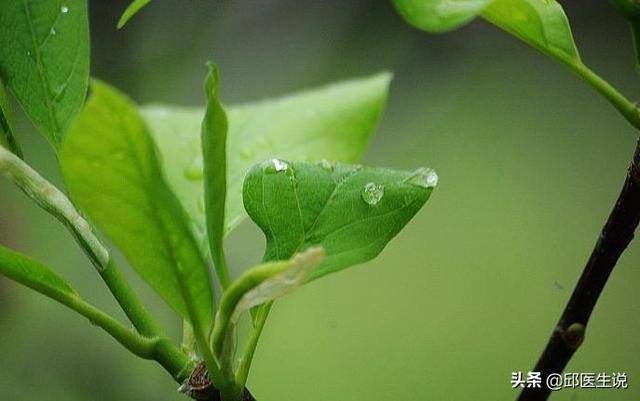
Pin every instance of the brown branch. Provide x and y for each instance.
(200, 388)
(614, 238)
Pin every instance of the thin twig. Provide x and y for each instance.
(614, 238)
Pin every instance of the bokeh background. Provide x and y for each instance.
(530, 162)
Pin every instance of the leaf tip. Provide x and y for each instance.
(130, 11)
(212, 81)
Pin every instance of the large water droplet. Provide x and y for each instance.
(64, 9)
(276, 166)
(52, 31)
(195, 171)
(326, 164)
(423, 177)
(372, 193)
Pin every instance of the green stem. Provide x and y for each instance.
(51, 199)
(219, 380)
(247, 357)
(129, 301)
(626, 107)
(160, 349)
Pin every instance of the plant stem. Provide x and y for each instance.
(56, 203)
(626, 107)
(200, 334)
(614, 238)
(245, 362)
(160, 349)
(51, 199)
(129, 301)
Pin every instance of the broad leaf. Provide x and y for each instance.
(540, 23)
(214, 152)
(7, 137)
(333, 122)
(351, 211)
(110, 166)
(131, 10)
(258, 285)
(439, 15)
(44, 59)
(34, 275)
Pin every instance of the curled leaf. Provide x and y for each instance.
(258, 285)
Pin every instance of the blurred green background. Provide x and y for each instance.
(530, 162)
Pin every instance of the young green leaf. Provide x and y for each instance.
(540, 23)
(214, 154)
(260, 284)
(7, 137)
(111, 168)
(439, 15)
(44, 59)
(132, 10)
(351, 211)
(34, 275)
(333, 122)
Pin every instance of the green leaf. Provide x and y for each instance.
(132, 10)
(214, 153)
(351, 211)
(333, 122)
(34, 275)
(540, 23)
(44, 59)
(258, 285)
(7, 137)
(111, 168)
(439, 15)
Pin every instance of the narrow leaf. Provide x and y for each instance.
(7, 136)
(439, 15)
(351, 211)
(111, 168)
(214, 154)
(34, 275)
(258, 285)
(540, 23)
(333, 122)
(44, 59)
(131, 10)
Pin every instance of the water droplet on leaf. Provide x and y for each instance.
(276, 166)
(64, 9)
(372, 193)
(195, 171)
(326, 164)
(423, 177)
(52, 31)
